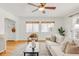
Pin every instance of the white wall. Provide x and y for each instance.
(5, 14)
(21, 28)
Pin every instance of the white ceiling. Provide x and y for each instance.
(25, 10)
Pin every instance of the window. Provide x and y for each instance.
(28, 27)
(38, 26)
(46, 27)
(35, 27)
(32, 27)
(75, 32)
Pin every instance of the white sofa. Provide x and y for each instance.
(56, 49)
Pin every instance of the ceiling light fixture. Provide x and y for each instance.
(41, 9)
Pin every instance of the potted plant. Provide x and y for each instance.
(61, 31)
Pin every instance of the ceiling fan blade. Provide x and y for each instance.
(50, 7)
(33, 4)
(34, 10)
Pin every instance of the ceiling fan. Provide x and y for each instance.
(41, 7)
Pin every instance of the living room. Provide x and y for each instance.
(20, 20)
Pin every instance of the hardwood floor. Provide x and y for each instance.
(10, 46)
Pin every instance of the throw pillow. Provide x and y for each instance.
(59, 39)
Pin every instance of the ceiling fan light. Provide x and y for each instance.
(41, 9)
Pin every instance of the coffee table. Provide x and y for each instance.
(28, 49)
